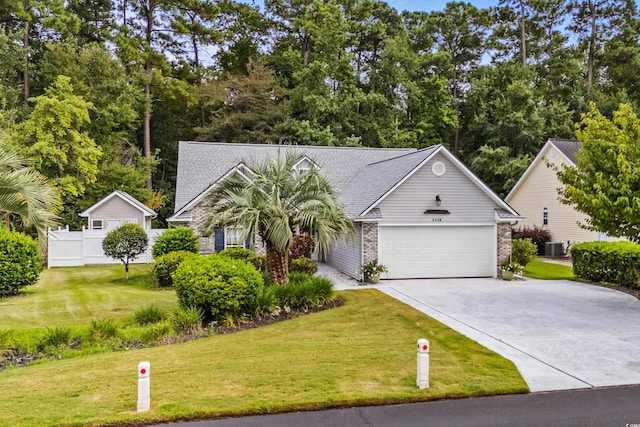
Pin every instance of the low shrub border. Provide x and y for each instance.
(616, 263)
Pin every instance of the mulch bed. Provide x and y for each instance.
(282, 314)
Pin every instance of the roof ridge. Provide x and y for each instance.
(324, 147)
(405, 155)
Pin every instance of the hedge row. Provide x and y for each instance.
(617, 263)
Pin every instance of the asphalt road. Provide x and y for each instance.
(619, 406)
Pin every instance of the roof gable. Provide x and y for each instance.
(377, 181)
(124, 196)
(565, 147)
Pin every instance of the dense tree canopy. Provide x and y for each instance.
(98, 92)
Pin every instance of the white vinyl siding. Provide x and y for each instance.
(539, 190)
(412, 252)
(346, 256)
(466, 202)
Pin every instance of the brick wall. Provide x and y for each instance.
(370, 242)
(207, 244)
(504, 244)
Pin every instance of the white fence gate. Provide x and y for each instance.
(76, 248)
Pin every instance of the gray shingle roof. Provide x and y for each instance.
(569, 147)
(376, 179)
(200, 164)
(126, 196)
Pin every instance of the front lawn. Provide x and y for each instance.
(363, 352)
(360, 353)
(548, 271)
(75, 296)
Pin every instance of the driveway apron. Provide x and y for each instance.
(560, 334)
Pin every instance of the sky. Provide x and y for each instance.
(416, 5)
(431, 5)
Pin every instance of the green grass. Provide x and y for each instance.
(548, 271)
(363, 352)
(78, 295)
(360, 353)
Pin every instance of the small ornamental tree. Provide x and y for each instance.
(125, 243)
(20, 264)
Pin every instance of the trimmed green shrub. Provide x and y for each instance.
(187, 321)
(304, 291)
(523, 251)
(167, 264)
(304, 265)
(217, 284)
(125, 243)
(616, 263)
(20, 264)
(150, 314)
(537, 235)
(259, 262)
(175, 239)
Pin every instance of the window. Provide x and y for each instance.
(545, 216)
(233, 237)
(303, 165)
(96, 224)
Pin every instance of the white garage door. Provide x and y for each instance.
(437, 251)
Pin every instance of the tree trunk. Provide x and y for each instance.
(147, 92)
(27, 53)
(277, 265)
(126, 270)
(523, 41)
(306, 47)
(591, 53)
(456, 105)
(147, 126)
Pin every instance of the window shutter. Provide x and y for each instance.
(219, 240)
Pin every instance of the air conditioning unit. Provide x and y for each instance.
(553, 250)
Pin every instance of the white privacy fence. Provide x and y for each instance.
(76, 248)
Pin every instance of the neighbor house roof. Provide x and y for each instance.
(202, 164)
(567, 147)
(124, 196)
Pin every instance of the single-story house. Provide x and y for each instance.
(421, 213)
(535, 195)
(116, 209)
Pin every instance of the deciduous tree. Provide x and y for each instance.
(605, 183)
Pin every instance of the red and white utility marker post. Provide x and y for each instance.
(144, 386)
(423, 364)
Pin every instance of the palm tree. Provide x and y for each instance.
(272, 201)
(26, 193)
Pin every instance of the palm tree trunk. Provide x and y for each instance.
(277, 265)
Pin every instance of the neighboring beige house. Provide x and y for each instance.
(116, 209)
(535, 195)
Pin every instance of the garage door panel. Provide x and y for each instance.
(437, 251)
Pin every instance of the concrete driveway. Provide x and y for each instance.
(560, 334)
